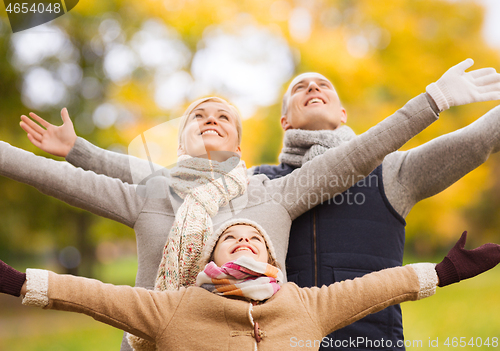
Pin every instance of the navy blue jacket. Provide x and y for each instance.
(355, 233)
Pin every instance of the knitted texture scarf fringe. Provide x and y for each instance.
(205, 186)
(243, 277)
(301, 146)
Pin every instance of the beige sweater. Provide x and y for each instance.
(195, 319)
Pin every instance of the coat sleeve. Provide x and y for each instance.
(413, 175)
(138, 311)
(339, 168)
(340, 304)
(101, 195)
(128, 169)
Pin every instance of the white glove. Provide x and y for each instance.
(457, 87)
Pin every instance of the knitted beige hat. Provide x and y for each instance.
(210, 244)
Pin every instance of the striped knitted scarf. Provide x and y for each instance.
(243, 277)
(205, 186)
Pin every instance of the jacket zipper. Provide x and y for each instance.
(315, 250)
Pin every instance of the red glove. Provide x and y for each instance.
(462, 264)
(11, 281)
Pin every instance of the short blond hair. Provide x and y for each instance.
(288, 93)
(233, 110)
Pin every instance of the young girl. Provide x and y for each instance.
(239, 301)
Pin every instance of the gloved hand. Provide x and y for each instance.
(457, 87)
(462, 264)
(11, 281)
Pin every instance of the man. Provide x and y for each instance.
(362, 229)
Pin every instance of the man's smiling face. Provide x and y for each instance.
(312, 104)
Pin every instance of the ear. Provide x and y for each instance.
(180, 151)
(343, 117)
(238, 151)
(284, 123)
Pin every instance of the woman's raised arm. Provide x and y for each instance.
(101, 195)
(63, 141)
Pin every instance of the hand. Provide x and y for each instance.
(12, 282)
(457, 87)
(57, 141)
(461, 264)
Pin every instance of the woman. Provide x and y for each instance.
(239, 301)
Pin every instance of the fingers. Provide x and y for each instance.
(477, 73)
(32, 126)
(40, 120)
(34, 141)
(489, 94)
(462, 66)
(30, 132)
(487, 80)
(461, 243)
(65, 116)
(492, 249)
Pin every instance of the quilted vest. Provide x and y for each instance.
(348, 236)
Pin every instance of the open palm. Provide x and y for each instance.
(56, 140)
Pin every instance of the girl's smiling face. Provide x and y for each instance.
(240, 240)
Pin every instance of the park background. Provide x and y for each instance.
(124, 67)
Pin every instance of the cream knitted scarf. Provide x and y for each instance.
(301, 146)
(205, 186)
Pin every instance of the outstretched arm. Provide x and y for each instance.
(413, 175)
(63, 141)
(136, 310)
(101, 195)
(375, 291)
(341, 167)
(129, 169)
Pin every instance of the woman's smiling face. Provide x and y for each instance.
(210, 127)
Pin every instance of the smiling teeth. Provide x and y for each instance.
(242, 248)
(314, 100)
(210, 131)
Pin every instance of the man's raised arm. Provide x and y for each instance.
(413, 175)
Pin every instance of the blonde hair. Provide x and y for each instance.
(233, 110)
